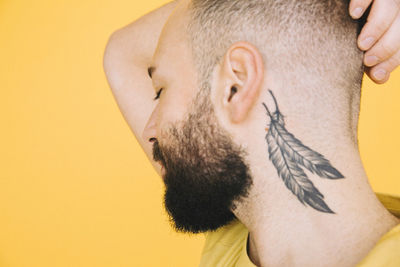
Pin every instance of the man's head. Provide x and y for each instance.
(214, 62)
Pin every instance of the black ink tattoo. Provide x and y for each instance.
(287, 154)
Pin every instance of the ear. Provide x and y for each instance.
(241, 74)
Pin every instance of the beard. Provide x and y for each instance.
(204, 170)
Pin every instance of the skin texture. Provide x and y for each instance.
(272, 226)
(128, 54)
(289, 156)
(383, 28)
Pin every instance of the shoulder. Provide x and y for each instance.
(386, 252)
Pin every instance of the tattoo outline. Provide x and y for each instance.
(289, 155)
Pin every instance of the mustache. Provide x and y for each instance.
(157, 153)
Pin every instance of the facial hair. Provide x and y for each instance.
(204, 170)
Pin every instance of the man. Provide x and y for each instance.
(256, 121)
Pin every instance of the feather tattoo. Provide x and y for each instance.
(288, 154)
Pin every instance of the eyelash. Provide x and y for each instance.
(158, 94)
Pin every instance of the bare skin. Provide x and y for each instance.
(126, 61)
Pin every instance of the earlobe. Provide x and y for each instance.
(242, 73)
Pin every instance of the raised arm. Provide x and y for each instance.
(126, 58)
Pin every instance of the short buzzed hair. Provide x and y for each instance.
(301, 41)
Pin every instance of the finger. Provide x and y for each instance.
(380, 73)
(377, 81)
(386, 47)
(381, 16)
(358, 7)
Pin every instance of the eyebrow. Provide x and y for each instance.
(151, 70)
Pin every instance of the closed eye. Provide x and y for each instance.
(158, 94)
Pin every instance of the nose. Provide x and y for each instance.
(149, 132)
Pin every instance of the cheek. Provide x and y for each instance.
(166, 119)
(174, 107)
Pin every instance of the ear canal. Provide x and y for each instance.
(233, 91)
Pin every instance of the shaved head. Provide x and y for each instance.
(303, 36)
(308, 46)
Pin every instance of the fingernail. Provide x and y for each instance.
(367, 42)
(371, 60)
(380, 74)
(357, 12)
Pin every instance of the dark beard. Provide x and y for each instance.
(205, 171)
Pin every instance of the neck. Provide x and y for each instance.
(284, 232)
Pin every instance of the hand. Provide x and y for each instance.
(380, 36)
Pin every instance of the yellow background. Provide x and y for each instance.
(75, 187)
